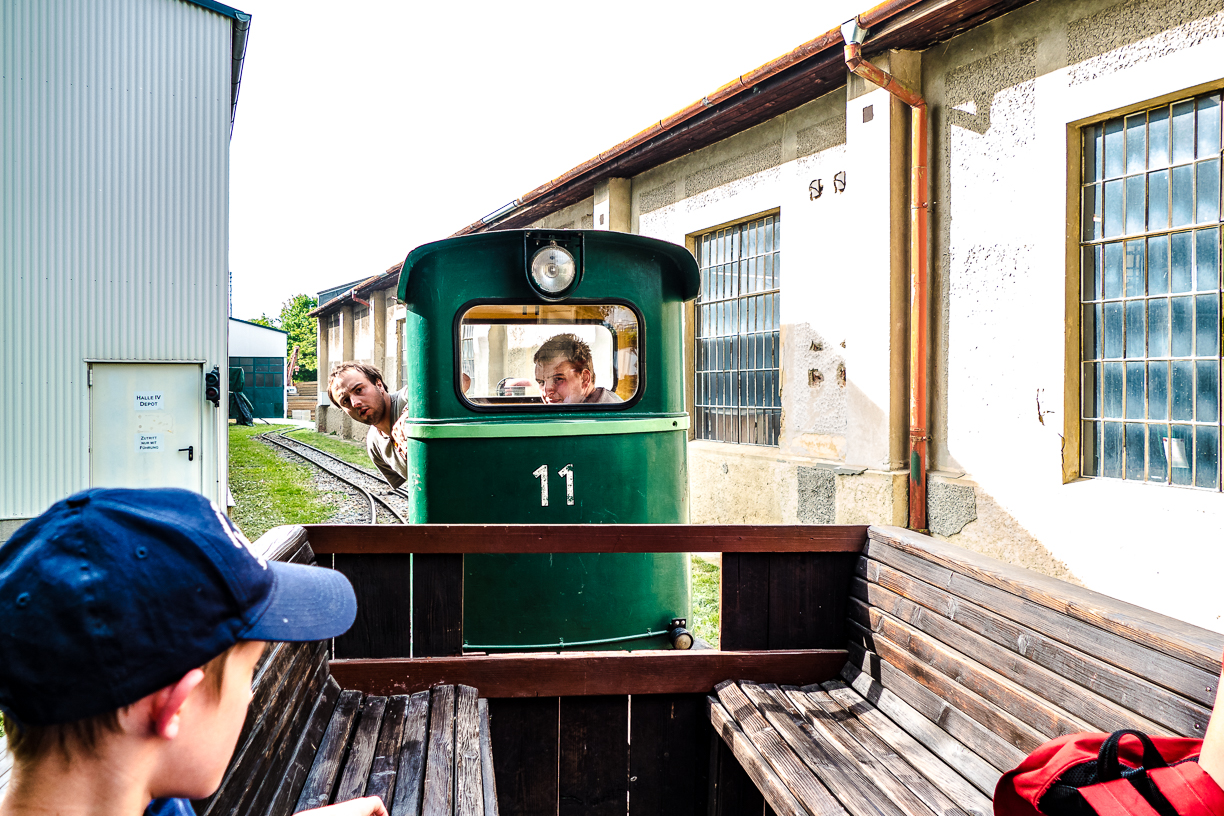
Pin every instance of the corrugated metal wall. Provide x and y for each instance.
(114, 176)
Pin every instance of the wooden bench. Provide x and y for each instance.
(960, 665)
(307, 743)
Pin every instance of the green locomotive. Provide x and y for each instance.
(546, 387)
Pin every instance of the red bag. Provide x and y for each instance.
(1103, 775)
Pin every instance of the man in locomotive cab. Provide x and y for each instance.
(565, 372)
(359, 390)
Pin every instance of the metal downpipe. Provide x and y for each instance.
(919, 286)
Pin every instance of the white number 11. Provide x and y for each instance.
(541, 473)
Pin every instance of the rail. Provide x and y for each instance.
(281, 440)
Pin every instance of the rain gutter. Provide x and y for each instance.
(854, 33)
(240, 31)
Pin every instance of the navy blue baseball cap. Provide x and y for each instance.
(112, 594)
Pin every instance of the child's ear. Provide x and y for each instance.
(168, 702)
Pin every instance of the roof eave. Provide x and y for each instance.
(896, 24)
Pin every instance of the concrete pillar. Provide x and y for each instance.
(497, 354)
(611, 204)
(324, 362)
(378, 325)
(346, 354)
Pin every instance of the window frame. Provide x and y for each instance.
(547, 409)
(695, 243)
(1078, 357)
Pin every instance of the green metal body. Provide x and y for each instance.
(626, 465)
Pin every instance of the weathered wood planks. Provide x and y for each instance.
(425, 755)
(581, 674)
(593, 538)
(958, 666)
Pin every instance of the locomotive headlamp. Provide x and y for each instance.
(553, 270)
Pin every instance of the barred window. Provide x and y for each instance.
(1150, 295)
(737, 345)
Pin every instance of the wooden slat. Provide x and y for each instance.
(361, 750)
(593, 755)
(887, 767)
(381, 782)
(732, 792)
(860, 767)
(965, 701)
(281, 695)
(488, 781)
(842, 778)
(322, 779)
(807, 599)
(761, 772)
(440, 755)
(744, 604)
(288, 787)
(1125, 653)
(577, 674)
(1129, 691)
(956, 739)
(583, 538)
(524, 734)
(1099, 713)
(970, 783)
(469, 785)
(980, 740)
(280, 543)
(788, 765)
(997, 692)
(1198, 647)
(263, 784)
(410, 779)
(383, 627)
(437, 621)
(669, 755)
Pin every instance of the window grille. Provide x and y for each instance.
(736, 383)
(467, 354)
(1150, 295)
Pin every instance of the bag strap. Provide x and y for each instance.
(1189, 789)
(1108, 766)
(1117, 798)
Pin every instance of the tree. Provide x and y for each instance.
(295, 320)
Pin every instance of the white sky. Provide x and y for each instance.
(367, 128)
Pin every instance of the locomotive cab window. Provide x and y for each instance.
(562, 356)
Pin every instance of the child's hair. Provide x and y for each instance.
(32, 742)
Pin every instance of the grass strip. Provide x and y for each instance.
(706, 588)
(268, 490)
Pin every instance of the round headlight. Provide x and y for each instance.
(553, 270)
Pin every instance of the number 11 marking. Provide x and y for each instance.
(542, 473)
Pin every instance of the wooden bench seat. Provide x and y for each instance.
(422, 753)
(960, 665)
(308, 743)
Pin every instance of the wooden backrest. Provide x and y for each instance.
(1005, 658)
(292, 691)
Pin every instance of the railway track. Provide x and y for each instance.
(383, 505)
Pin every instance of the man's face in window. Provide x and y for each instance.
(561, 381)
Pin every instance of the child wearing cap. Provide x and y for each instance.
(131, 622)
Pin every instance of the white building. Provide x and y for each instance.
(1074, 423)
(114, 245)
